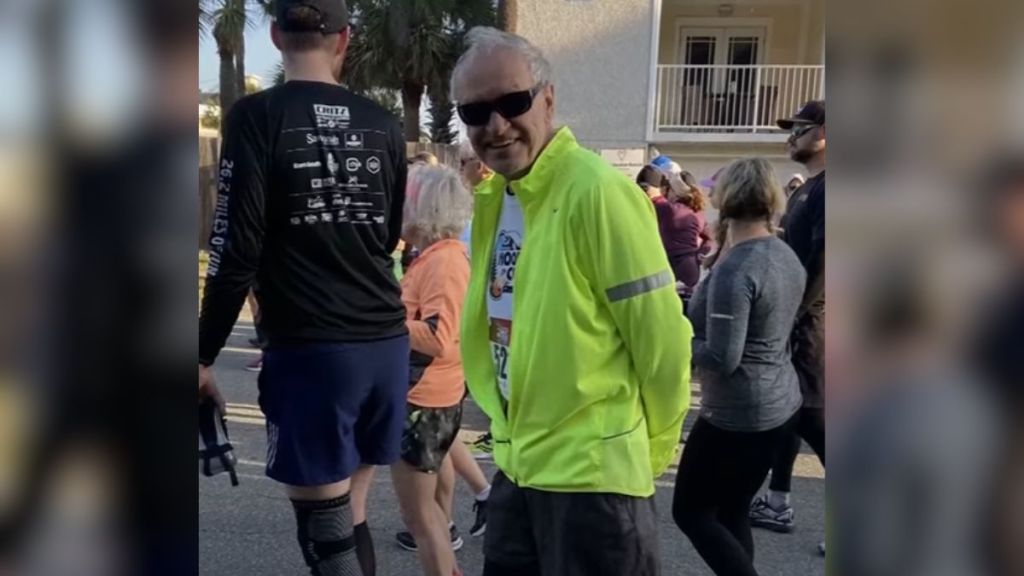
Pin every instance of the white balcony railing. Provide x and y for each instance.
(714, 99)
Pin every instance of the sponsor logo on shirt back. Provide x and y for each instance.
(331, 116)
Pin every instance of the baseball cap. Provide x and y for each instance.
(333, 15)
(666, 165)
(812, 112)
(672, 178)
(661, 162)
(710, 181)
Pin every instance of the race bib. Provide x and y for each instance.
(501, 338)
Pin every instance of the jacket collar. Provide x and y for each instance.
(537, 182)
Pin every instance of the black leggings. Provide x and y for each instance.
(719, 474)
(810, 427)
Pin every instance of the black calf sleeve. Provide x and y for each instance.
(325, 536)
(364, 550)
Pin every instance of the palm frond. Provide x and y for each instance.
(409, 44)
(205, 17)
(230, 20)
(278, 75)
(265, 8)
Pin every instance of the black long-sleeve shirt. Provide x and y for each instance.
(309, 209)
(804, 226)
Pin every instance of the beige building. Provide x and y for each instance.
(702, 81)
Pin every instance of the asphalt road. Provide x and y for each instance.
(249, 530)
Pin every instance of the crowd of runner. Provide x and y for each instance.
(388, 288)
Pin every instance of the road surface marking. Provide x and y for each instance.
(250, 351)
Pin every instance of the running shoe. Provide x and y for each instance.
(762, 515)
(483, 447)
(256, 365)
(407, 542)
(480, 526)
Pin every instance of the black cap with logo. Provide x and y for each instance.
(333, 15)
(812, 112)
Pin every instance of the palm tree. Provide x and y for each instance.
(407, 45)
(264, 9)
(228, 20)
(387, 99)
(508, 15)
(442, 112)
(204, 17)
(279, 74)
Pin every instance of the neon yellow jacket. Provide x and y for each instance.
(599, 358)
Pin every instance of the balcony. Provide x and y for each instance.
(730, 103)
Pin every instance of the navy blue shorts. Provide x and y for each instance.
(331, 406)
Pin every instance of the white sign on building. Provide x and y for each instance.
(627, 160)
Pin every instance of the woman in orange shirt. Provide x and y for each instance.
(437, 207)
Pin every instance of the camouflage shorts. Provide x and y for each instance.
(428, 434)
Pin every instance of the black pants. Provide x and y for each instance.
(719, 474)
(810, 426)
(539, 533)
(261, 337)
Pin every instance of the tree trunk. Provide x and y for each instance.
(508, 15)
(228, 83)
(412, 97)
(240, 64)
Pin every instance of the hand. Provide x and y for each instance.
(207, 388)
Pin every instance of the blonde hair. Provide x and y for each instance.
(424, 158)
(437, 205)
(746, 190)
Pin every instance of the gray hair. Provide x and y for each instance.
(437, 205)
(483, 40)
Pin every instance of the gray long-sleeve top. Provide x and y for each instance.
(742, 316)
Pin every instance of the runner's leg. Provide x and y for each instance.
(445, 492)
(361, 482)
(324, 518)
(423, 516)
(468, 469)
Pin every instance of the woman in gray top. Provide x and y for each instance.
(742, 315)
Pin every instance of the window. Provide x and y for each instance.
(721, 46)
(717, 47)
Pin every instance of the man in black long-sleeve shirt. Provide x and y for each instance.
(804, 226)
(310, 197)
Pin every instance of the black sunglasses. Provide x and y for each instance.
(798, 131)
(508, 105)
